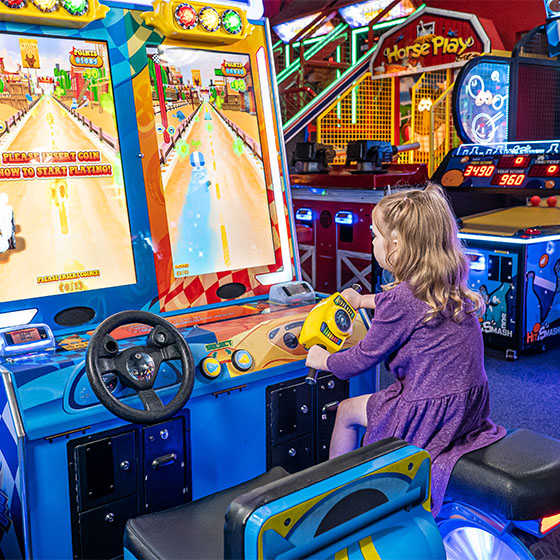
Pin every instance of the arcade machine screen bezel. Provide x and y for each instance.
(237, 285)
(76, 303)
(487, 107)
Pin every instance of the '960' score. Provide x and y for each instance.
(508, 179)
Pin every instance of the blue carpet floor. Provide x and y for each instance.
(524, 393)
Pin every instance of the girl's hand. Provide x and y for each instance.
(352, 297)
(317, 358)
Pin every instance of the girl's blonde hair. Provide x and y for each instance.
(428, 254)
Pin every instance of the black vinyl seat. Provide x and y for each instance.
(518, 477)
(189, 531)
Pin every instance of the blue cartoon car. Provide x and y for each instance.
(200, 173)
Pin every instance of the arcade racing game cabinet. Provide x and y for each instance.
(143, 177)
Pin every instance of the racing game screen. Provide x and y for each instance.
(64, 224)
(212, 163)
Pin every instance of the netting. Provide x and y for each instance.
(365, 112)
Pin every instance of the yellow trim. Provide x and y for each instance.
(163, 19)
(368, 550)
(341, 555)
(506, 54)
(59, 18)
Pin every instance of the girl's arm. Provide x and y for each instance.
(358, 301)
(391, 327)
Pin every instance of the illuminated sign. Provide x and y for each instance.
(544, 170)
(514, 161)
(83, 58)
(233, 69)
(429, 38)
(435, 45)
(289, 29)
(361, 13)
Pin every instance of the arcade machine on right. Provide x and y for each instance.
(503, 183)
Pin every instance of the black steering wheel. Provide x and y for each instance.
(137, 367)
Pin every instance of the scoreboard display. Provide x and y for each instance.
(528, 165)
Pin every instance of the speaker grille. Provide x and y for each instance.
(231, 291)
(74, 316)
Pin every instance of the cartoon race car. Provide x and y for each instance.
(7, 225)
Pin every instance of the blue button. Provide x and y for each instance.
(242, 360)
(210, 367)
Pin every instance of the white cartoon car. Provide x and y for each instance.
(7, 225)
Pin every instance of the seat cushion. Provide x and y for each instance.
(190, 531)
(517, 477)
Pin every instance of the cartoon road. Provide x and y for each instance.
(85, 229)
(221, 221)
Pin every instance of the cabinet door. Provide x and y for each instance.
(165, 466)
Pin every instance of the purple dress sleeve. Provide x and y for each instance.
(393, 323)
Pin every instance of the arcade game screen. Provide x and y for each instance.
(212, 164)
(483, 102)
(64, 223)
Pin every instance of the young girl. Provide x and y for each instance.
(426, 327)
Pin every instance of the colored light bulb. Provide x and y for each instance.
(15, 4)
(75, 7)
(209, 18)
(186, 17)
(232, 22)
(45, 5)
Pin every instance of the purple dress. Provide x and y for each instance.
(439, 400)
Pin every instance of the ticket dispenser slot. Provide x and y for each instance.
(345, 221)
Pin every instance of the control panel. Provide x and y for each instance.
(510, 165)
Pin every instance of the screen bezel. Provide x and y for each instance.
(108, 300)
(206, 290)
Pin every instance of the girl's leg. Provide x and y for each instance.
(350, 417)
